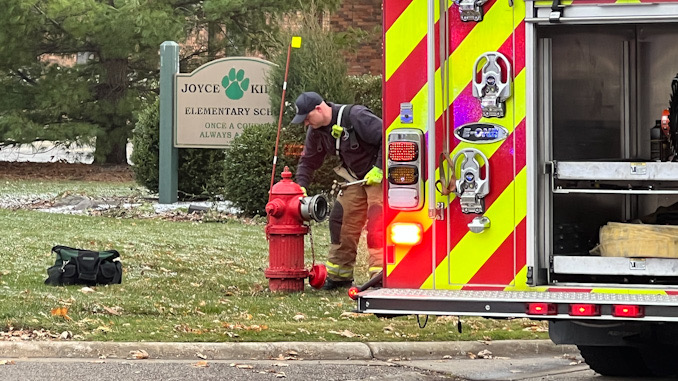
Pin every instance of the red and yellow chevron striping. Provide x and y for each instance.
(450, 256)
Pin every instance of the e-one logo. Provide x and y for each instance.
(234, 85)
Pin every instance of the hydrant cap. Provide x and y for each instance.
(286, 186)
(286, 174)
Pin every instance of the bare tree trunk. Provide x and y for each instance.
(111, 146)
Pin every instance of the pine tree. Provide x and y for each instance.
(47, 96)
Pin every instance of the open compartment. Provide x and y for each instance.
(601, 92)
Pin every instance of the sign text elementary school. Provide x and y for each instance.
(215, 102)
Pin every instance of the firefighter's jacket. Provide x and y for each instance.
(367, 128)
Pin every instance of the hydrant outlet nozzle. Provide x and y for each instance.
(275, 208)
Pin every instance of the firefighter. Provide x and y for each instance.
(353, 133)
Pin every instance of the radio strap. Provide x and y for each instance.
(348, 129)
(447, 182)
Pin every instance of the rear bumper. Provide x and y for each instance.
(511, 304)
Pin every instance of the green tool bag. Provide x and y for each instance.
(78, 266)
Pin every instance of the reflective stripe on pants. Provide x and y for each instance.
(355, 206)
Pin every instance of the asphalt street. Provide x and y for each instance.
(505, 360)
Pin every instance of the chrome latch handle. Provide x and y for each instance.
(490, 89)
(470, 10)
(471, 187)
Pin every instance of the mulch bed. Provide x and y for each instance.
(65, 171)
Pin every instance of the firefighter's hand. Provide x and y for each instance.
(337, 131)
(374, 176)
(304, 191)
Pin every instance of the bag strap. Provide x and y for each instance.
(106, 254)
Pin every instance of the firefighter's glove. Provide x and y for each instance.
(337, 130)
(303, 190)
(374, 176)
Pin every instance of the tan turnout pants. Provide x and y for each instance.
(356, 207)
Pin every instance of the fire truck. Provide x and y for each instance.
(530, 170)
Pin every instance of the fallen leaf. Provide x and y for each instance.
(344, 333)
(7, 362)
(201, 364)
(112, 311)
(61, 311)
(244, 366)
(139, 355)
(485, 354)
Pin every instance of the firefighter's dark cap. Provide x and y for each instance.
(304, 104)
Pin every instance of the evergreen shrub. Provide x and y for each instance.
(319, 66)
(199, 170)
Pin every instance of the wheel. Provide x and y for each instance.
(660, 359)
(614, 361)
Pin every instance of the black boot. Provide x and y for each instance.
(334, 284)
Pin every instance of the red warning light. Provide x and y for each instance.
(584, 310)
(403, 151)
(353, 293)
(541, 309)
(627, 310)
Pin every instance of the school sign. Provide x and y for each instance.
(215, 102)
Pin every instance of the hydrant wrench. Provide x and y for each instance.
(341, 186)
(344, 185)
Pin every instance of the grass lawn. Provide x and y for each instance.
(186, 281)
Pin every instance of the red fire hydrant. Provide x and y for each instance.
(287, 211)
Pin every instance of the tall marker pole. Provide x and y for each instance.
(169, 155)
(296, 43)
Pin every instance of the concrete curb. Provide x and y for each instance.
(281, 350)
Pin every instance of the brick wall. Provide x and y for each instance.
(366, 15)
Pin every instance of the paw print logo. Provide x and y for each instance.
(235, 84)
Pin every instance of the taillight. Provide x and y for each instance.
(403, 175)
(403, 233)
(404, 168)
(626, 310)
(541, 309)
(403, 151)
(584, 309)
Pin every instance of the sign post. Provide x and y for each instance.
(206, 108)
(169, 155)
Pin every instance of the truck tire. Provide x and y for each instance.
(614, 361)
(660, 359)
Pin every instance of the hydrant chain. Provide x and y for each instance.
(310, 237)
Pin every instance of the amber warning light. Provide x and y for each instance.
(403, 175)
(403, 151)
